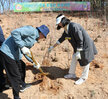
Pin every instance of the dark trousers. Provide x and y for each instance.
(21, 66)
(15, 71)
(2, 78)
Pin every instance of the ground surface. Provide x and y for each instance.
(58, 62)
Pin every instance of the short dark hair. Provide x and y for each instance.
(58, 27)
(65, 21)
(59, 15)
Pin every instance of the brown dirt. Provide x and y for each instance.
(54, 86)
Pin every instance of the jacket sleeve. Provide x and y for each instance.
(78, 37)
(1, 36)
(62, 38)
(20, 34)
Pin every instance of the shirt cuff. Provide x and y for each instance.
(79, 49)
(57, 42)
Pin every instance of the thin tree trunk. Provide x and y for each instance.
(107, 13)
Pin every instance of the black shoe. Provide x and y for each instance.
(5, 87)
(16, 97)
(23, 88)
(1, 90)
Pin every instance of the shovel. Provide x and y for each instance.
(42, 73)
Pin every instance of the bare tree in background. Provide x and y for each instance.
(107, 11)
(3, 4)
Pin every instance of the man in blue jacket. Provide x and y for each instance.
(1, 36)
(2, 79)
(14, 47)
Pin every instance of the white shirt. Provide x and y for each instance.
(67, 28)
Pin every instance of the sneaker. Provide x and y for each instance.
(80, 81)
(23, 88)
(1, 90)
(68, 76)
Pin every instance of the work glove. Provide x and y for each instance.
(36, 66)
(78, 55)
(26, 51)
(50, 48)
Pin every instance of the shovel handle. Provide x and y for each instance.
(32, 58)
(36, 63)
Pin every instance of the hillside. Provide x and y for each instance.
(58, 62)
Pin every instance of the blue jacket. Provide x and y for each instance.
(24, 36)
(1, 36)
